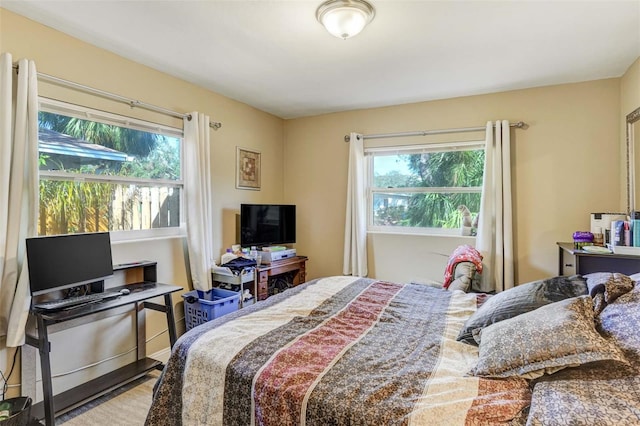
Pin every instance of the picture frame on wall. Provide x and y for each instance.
(248, 169)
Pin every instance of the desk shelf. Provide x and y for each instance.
(72, 398)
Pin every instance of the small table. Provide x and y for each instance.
(265, 271)
(39, 339)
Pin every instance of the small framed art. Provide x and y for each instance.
(248, 169)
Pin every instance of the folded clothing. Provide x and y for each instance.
(238, 265)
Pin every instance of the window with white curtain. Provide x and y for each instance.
(427, 189)
(106, 172)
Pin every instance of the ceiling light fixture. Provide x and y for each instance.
(345, 18)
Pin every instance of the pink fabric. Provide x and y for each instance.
(464, 253)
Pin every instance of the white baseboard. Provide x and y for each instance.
(162, 356)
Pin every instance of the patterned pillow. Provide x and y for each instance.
(553, 337)
(588, 395)
(620, 321)
(518, 300)
(610, 285)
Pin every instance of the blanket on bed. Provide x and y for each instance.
(338, 350)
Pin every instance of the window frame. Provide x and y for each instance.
(371, 152)
(55, 106)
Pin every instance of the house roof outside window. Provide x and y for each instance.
(52, 142)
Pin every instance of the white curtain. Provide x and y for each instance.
(355, 232)
(18, 192)
(495, 226)
(198, 199)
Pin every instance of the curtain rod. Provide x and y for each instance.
(131, 102)
(347, 138)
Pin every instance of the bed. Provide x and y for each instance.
(356, 351)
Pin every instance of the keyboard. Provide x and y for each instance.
(54, 305)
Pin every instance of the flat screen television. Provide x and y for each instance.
(63, 261)
(267, 224)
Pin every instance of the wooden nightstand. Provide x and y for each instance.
(296, 265)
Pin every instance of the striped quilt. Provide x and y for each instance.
(335, 351)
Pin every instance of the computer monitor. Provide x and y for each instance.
(63, 261)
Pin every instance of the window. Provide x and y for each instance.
(104, 172)
(419, 189)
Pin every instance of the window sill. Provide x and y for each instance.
(422, 234)
(123, 237)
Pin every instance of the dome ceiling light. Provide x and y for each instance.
(345, 18)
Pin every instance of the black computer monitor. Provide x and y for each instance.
(64, 261)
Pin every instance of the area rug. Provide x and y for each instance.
(127, 405)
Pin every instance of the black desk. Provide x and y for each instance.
(140, 293)
(573, 261)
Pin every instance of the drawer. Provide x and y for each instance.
(568, 266)
(233, 279)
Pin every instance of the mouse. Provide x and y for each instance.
(124, 291)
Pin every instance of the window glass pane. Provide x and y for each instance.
(461, 168)
(430, 210)
(83, 146)
(429, 187)
(392, 171)
(142, 157)
(68, 207)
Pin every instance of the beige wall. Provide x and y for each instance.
(630, 89)
(68, 58)
(566, 165)
(629, 101)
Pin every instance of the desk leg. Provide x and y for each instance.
(44, 348)
(301, 274)
(560, 261)
(171, 322)
(141, 330)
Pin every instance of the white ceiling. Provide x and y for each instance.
(275, 56)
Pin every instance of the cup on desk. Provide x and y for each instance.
(259, 260)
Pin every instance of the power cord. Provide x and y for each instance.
(5, 386)
(66, 373)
